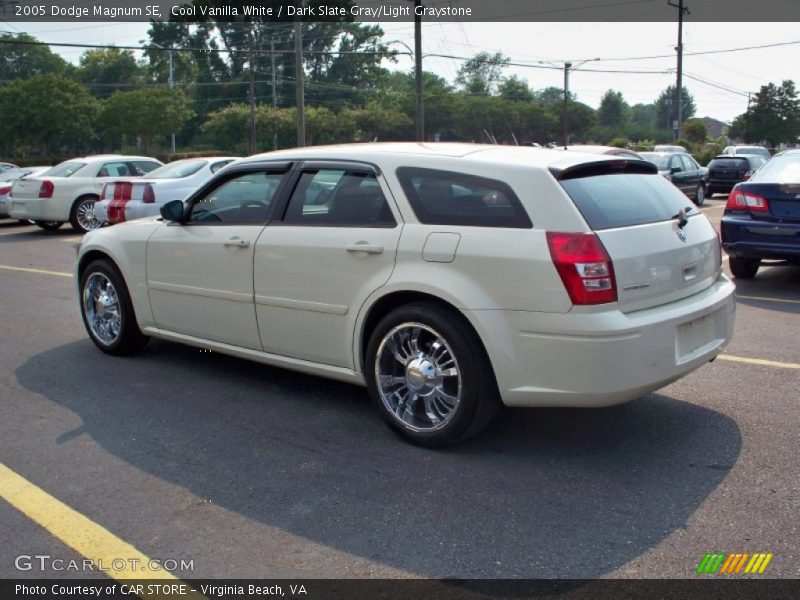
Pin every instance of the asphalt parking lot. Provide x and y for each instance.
(256, 472)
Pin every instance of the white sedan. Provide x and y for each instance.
(68, 191)
(7, 179)
(126, 200)
(447, 278)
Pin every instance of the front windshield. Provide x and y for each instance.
(178, 169)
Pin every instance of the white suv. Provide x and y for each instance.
(447, 278)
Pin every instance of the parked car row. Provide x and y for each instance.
(7, 179)
(90, 191)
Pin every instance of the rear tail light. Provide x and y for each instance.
(149, 196)
(742, 200)
(747, 175)
(46, 189)
(5, 190)
(584, 267)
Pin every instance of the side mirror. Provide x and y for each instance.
(173, 211)
(674, 170)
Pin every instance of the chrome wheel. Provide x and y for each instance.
(84, 215)
(102, 308)
(418, 377)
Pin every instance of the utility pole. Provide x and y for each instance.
(418, 70)
(252, 93)
(274, 87)
(682, 10)
(299, 91)
(564, 127)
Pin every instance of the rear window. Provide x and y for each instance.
(450, 198)
(728, 163)
(781, 169)
(65, 169)
(177, 170)
(623, 200)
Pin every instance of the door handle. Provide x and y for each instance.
(365, 247)
(236, 242)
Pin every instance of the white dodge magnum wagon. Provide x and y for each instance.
(447, 278)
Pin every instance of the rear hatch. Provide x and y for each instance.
(733, 169)
(658, 256)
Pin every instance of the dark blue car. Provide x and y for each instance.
(762, 216)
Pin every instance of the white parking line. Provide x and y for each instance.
(759, 361)
(768, 299)
(39, 271)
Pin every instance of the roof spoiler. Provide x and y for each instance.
(612, 167)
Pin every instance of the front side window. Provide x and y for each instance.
(337, 197)
(450, 198)
(243, 199)
(114, 169)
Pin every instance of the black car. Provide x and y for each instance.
(683, 171)
(762, 216)
(724, 172)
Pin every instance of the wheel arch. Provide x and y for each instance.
(384, 304)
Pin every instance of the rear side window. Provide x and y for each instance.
(65, 169)
(449, 198)
(336, 197)
(143, 167)
(623, 200)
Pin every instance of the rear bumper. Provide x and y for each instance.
(717, 186)
(604, 358)
(743, 237)
(36, 209)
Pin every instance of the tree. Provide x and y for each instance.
(481, 74)
(613, 111)
(667, 110)
(695, 131)
(102, 69)
(144, 114)
(515, 89)
(21, 57)
(774, 116)
(552, 95)
(50, 113)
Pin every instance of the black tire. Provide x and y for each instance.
(743, 268)
(700, 194)
(49, 225)
(479, 397)
(129, 339)
(75, 216)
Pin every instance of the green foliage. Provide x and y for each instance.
(666, 107)
(695, 131)
(50, 113)
(613, 111)
(774, 116)
(620, 142)
(144, 114)
(481, 74)
(515, 89)
(21, 59)
(103, 69)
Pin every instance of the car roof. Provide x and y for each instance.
(483, 153)
(95, 157)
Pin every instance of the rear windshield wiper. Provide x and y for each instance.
(683, 214)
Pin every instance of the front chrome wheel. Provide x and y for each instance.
(101, 306)
(418, 377)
